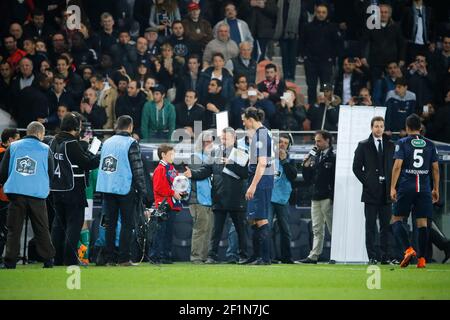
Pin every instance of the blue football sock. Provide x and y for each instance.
(401, 235)
(423, 241)
(255, 241)
(264, 236)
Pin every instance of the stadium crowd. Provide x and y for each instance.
(168, 63)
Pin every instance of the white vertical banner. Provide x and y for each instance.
(348, 241)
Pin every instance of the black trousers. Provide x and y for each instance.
(18, 208)
(126, 206)
(238, 218)
(66, 229)
(315, 70)
(3, 228)
(383, 213)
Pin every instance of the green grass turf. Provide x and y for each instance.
(187, 281)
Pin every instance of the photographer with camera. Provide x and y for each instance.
(351, 80)
(89, 109)
(364, 98)
(319, 171)
(68, 186)
(324, 114)
(121, 179)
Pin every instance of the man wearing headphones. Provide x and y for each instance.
(68, 187)
(284, 177)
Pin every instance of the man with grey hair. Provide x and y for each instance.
(25, 173)
(239, 30)
(228, 190)
(244, 64)
(222, 43)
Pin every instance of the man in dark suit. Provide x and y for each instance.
(372, 166)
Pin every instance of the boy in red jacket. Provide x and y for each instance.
(165, 172)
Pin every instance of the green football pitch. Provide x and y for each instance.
(234, 282)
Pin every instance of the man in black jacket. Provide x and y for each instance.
(354, 77)
(228, 190)
(319, 171)
(189, 112)
(372, 165)
(131, 104)
(318, 46)
(68, 187)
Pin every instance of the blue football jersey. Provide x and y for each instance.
(261, 146)
(418, 154)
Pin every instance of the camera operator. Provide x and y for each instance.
(319, 171)
(68, 188)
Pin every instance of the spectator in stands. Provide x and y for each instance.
(421, 81)
(32, 102)
(142, 53)
(384, 45)
(214, 102)
(244, 64)
(108, 36)
(216, 71)
(29, 45)
(319, 171)
(437, 122)
(200, 201)
(38, 28)
(106, 66)
(13, 54)
(86, 73)
(400, 103)
(53, 121)
(124, 52)
(441, 62)
(59, 96)
(74, 83)
(82, 54)
(151, 34)
(251, 98)
(162, 14)
(171, 64)
(158, 116)
(272, 87)
(91, 39)
(363, 99)
(182, 46)
(16, 30)
(262, 19)
(239, 30)
(290, 115)
(351, 80)
(318, 45)
(222, 43)
(107, 97)
(291, 18)
(419, 29)
(284, 177)
(324, 114)
(228, 190)
(57, 47)
(25, 78)
(189, 112)
(240, 85)
(122, 85)
(141, 74)
(189, 78)
(132, 105)
(387, 83)
(41, 48)
(89, 109)
(196, 28)
(6, 77)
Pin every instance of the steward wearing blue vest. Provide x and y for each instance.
(121, 179)
(200, 202)
(71, 162)
(284, 177)
(25, 173)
